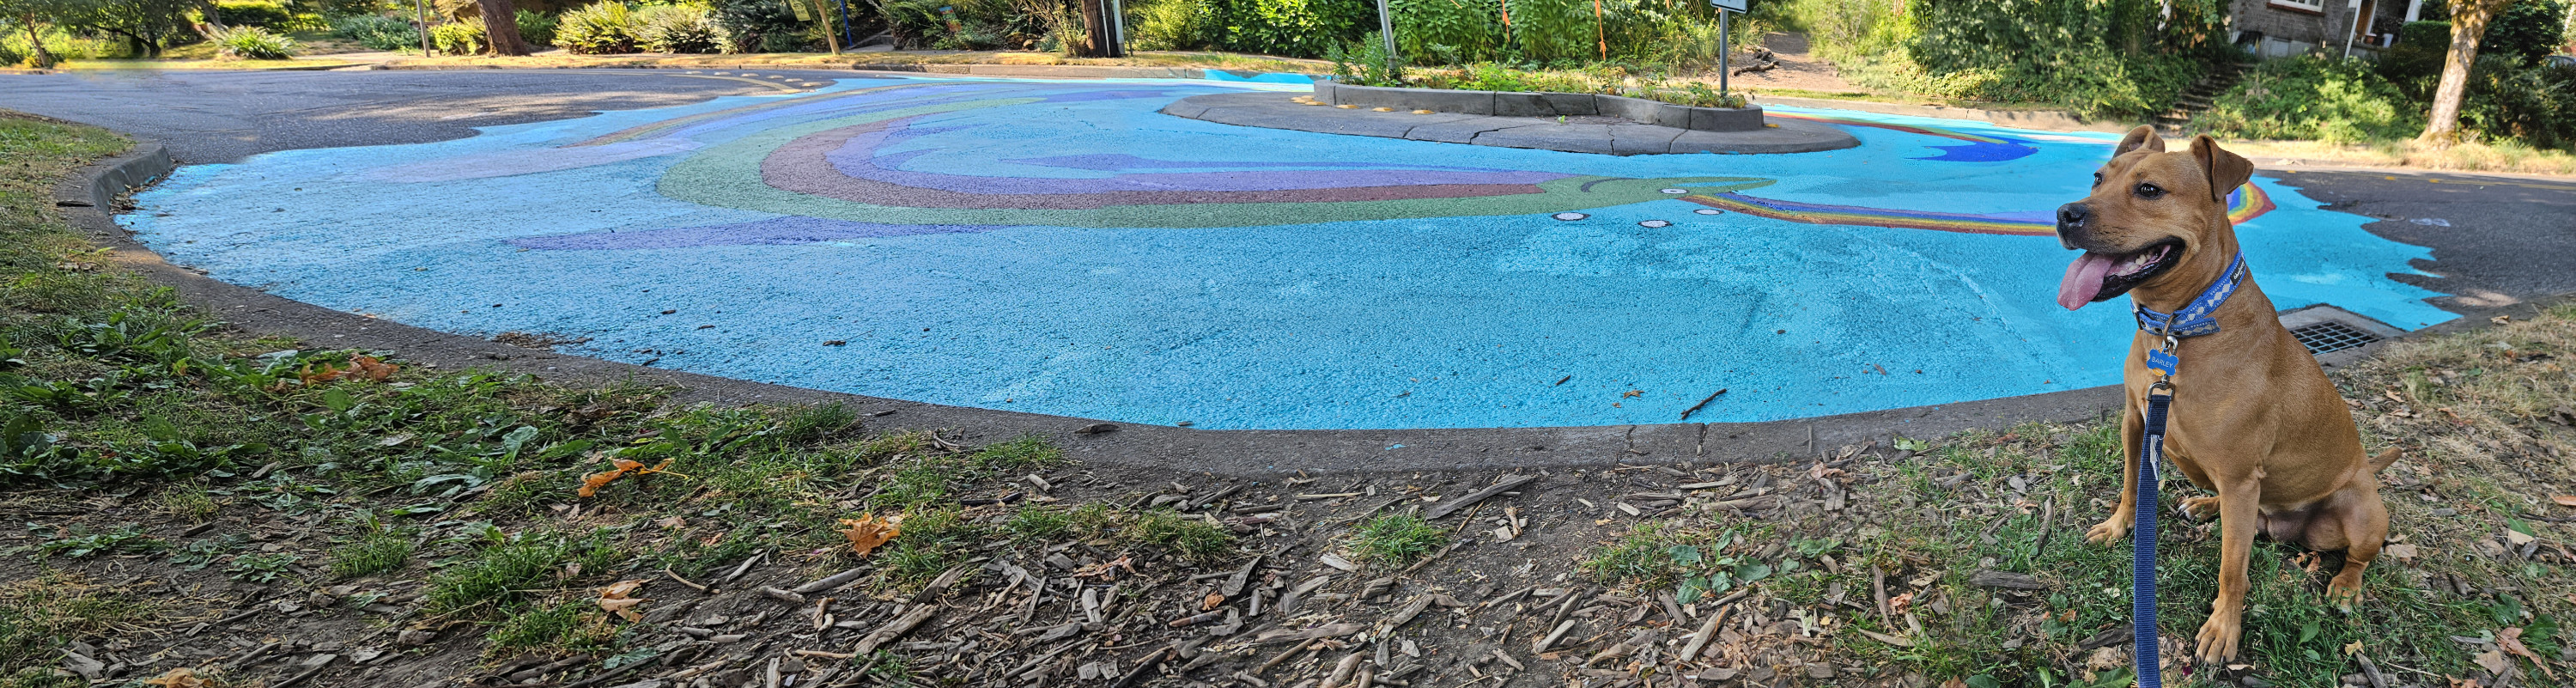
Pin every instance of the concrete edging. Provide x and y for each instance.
(1249, 453)
(1543, 104)
(2046, 120)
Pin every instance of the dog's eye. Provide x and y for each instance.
(2097, 179)
(2150, 191)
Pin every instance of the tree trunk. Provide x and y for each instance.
(41, 58)
(501, 27)
(1095, 29)
(2468, 25)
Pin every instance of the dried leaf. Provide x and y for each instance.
(370, 369)
(1901, 603)
(182, 677)
(614, 599)
(1213, 599)
(2402, 551)
(328, 373)
(2493, 661)
(2352, 648)
(866, 532)
(2510, 640)
(590, 484)
(2518, 538)
(2564, 500)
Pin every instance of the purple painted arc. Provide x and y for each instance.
(836, 163)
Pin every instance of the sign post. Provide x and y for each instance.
(1386, 30)
(1723, 34)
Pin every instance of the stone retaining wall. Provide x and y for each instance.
(1512, 104)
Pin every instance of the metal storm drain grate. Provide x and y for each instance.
(2330, 336)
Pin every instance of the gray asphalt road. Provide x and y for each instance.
(2495, 240)
(213, 117)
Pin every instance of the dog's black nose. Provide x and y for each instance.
(2072, 216)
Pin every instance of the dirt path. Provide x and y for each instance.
(1799, 68)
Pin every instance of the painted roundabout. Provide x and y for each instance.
(1062, 248)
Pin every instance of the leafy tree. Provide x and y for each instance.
(33, 14)
(2468, 24)
(146, 25)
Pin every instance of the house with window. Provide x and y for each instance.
(2282, 28)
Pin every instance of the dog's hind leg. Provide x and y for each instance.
(2239, 517)
(2117, 526)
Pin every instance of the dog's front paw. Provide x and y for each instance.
(2200, 508)
(2218, 638)
(2111, 530)
(2344, 592)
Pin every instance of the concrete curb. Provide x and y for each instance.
(1272, 110)
(1514, 104)
(147, 162)
(1249, 453)
(2044, 120)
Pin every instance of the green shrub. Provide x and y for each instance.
(2526, 30)
(1294, 28)
(263, 14)
(762, 26)
(2507, 101)
(1172, 25)
(601, 28)
(1365, 63)
(253, 43)
(459, 38)
(2325, 99)
(378, 33)
(536, 28)
(2118, 58)
(2421, 47)
(1432, 32)
(677, 29)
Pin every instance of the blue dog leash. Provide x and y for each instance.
(2193, 320)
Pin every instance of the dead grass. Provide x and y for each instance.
(2465, 157)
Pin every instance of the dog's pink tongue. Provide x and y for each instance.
(2083, 280)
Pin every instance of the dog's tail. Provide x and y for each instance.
(2380, 462)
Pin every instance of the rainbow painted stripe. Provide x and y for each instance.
(1907, 128)
(2245, 204)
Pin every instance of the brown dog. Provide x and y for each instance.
(2253, 417)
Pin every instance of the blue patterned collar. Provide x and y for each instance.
(2196, 318)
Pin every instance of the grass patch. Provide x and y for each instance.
(1396, 540)
(370, 554)
(505, 576)
(53, 609)
(570, 626)
(1179, 535)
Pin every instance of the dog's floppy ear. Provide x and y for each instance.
(2226, 170)
(2142, 137)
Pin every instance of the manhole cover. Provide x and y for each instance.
(2330, 336)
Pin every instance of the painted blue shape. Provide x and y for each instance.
(1430, 322)
(1258, 77)
(1980, 151)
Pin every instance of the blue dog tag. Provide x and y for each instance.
(2160, 360)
